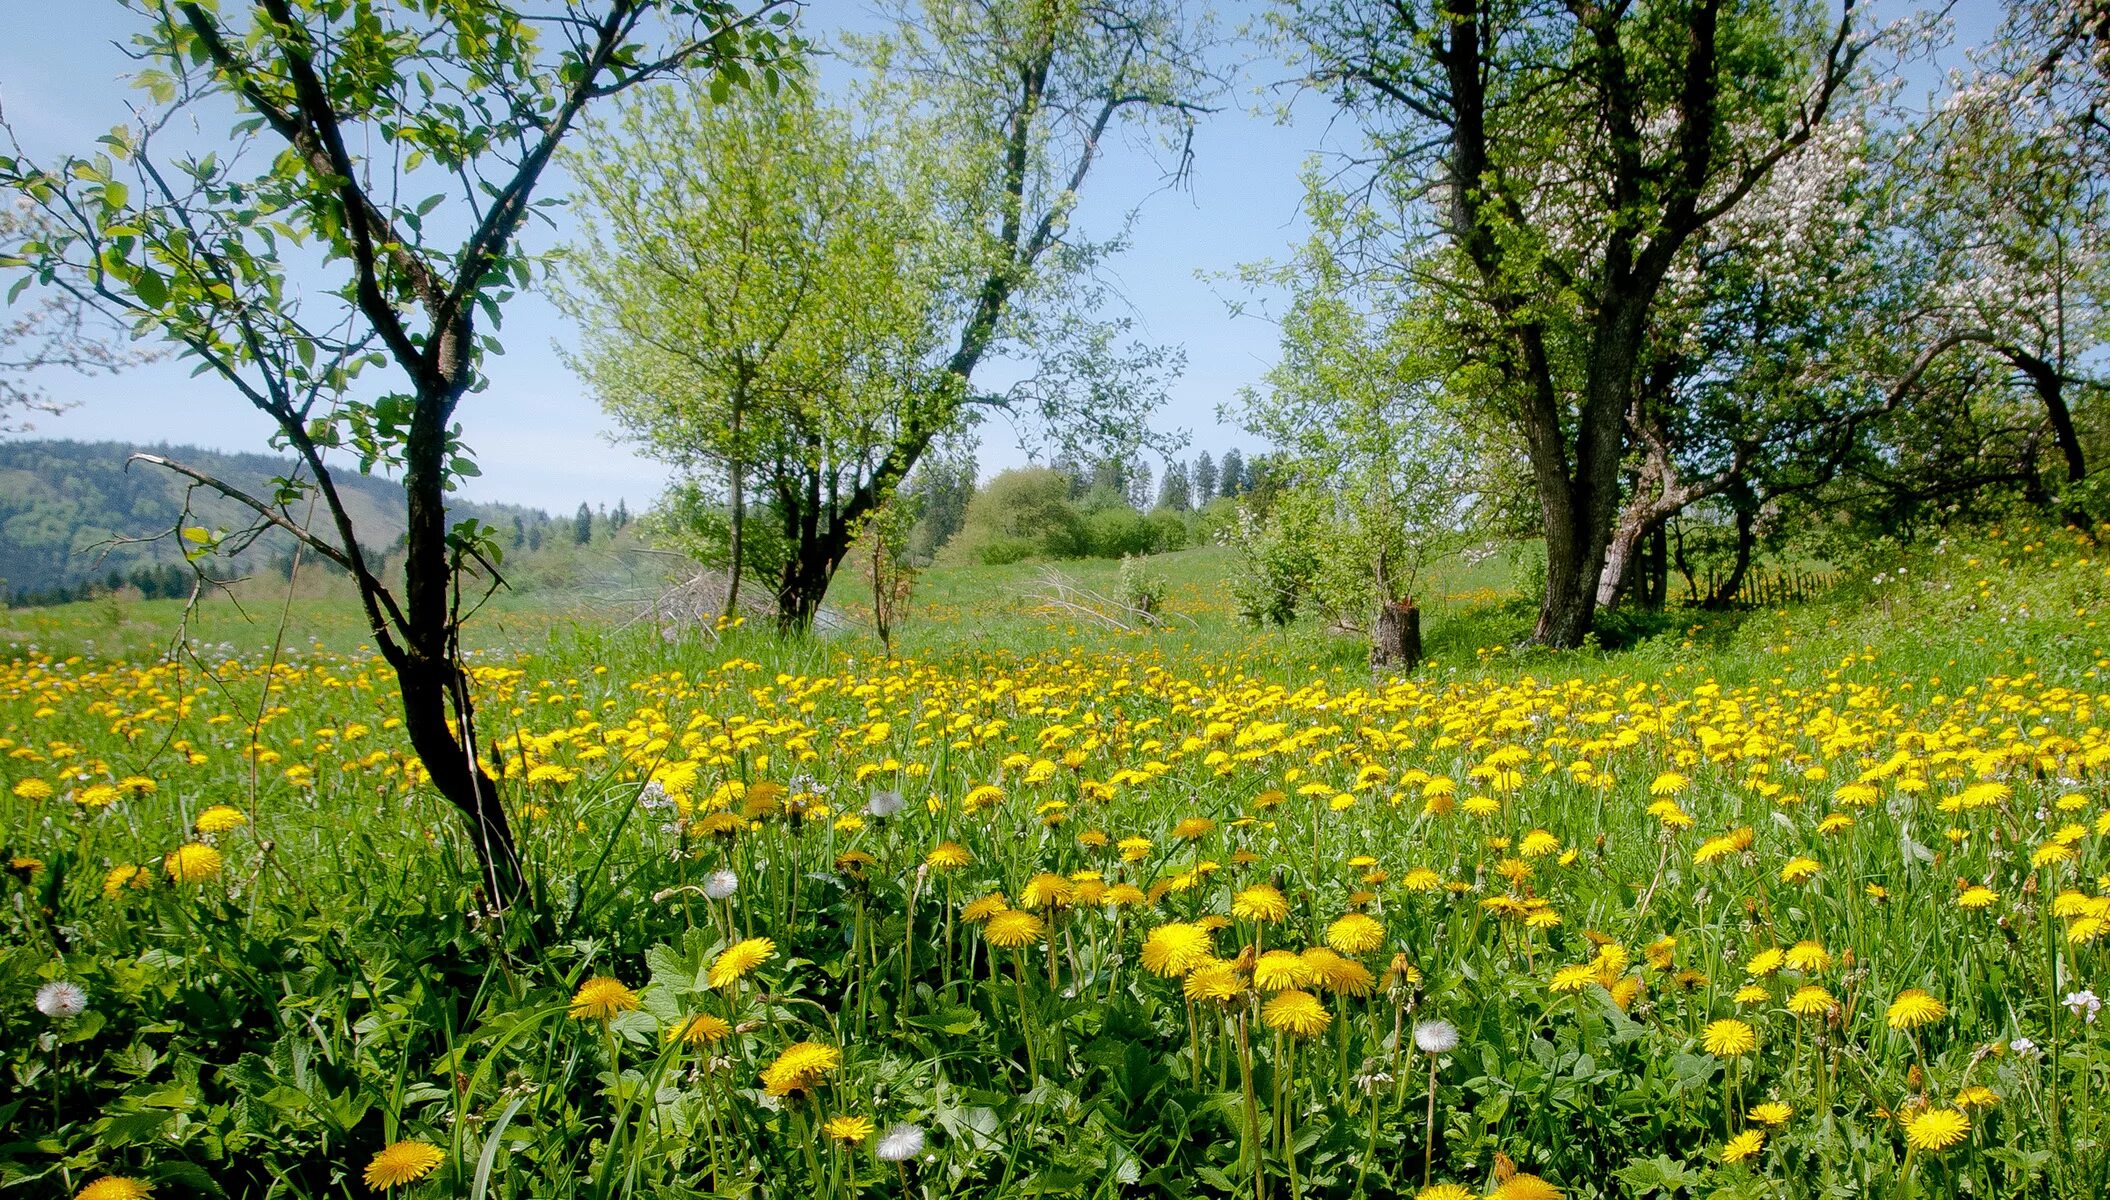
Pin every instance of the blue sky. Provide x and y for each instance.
(537, 434)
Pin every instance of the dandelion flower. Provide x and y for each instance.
(721, 884)
(1047, 890)
(1669, 783)
(1262, 902)
(1744, 1145)
(116, 1187)
(1174, 949)
(1447, 1191)
(1296, 1012)
(1014, 928)
(1729, 1038)
(900, 1143)
(974, 912)
(1356, 933)
(703, 1029)
(800, 1067)
(1765, 962)
(1808, 956)
(1573, 978)
(1914, 1008)
(1435, 1037)
(61, 1001)
(1526, 1187)
(947, 856)
(1218, 981)
(1772, 1112)
(1280, 970)
(220, 818)
(403, 1162)
(850, 1131)
(736, 960)
(1811, 1001)
(1936, 1129)
(192, 862)
(602, 998)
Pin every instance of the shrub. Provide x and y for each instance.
(1029, 505)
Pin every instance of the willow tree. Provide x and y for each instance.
(1570, 153)
(336, 243)
(899, 253)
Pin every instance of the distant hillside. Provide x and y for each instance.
(65, 508)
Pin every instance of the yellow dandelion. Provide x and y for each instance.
(1936, 1129)
(800, 1067)
(947, 856)
(1811, 1001)
(1014, 928)
(1744, 1145)
(403, 1162)
(602, 998)
(1772, 1112)
(850, 1131)
(1174, 949)
(738, 959)
(1296, 1012)
(1262, 902)
(1356, 933)
(703, 1029)
(192, 862)
(116, 1187)
(1914, 1008)
(1281, 970)
(1729, 1038)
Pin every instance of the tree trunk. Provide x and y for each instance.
(429, 690)
(1395, 640)
(2050, 386)
(736, 540)
(1657, 578)
(1746, 540)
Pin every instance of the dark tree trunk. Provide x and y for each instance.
(1657, 578)
(1746, 540)
(2050, 385)
(1395, 640)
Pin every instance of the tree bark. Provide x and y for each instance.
(1724, 595)
(1395, 639)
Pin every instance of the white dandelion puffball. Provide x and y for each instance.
(721, 884)
(61, 1001)
(900, 1143)
(1435, 1037)
(883, 804)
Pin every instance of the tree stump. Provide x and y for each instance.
(1396, 640)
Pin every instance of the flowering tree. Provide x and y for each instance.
(1571, 154)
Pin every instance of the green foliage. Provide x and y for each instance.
(1022, 512)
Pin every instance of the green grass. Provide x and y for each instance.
(336, 984)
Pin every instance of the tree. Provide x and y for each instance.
(1231, 476)
(1568, 155)
(356, 126)
(1139, 492)
(1173, 493)
(582, 525)
(1378, 475)
(983, 123)
(1204, 479)
(55, 331)
(942, 486)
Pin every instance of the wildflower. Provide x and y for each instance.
(703, 1029)
(1193, 829)
(116, 1187)
(1810, 1001)
(402, 1162)
(1573, 978)
(1296, 1012)
(1772, 1112)
(900, 1143)
(1976, 1096)
(220, 818)
(1014, 928)
(1435, 1037)
(1280, 970)
(1669, 783)
(1914, 1008)
(883, 805)
(800, 1067)
(2083, 1002)
(947, 856)
(602, 998)
(1447, 1191)
(1751, 993)
(192, 862)
(1744, 1145)
(1262, 902)
(33, 790)
(122, 876)
(1174, 949)
(1808, 956)
(1218, 981)
(1526, 1187)
(1729, 1038)
(721, 884)
(1798, 869)
(61, 1001)
(850, 1131)
(1355, 933)
(1936, 1129)
(738, 959)
(1765, 962)
(1048, 890)
(974, 912)
(1976, 897)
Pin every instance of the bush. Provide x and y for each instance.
(1119, 532)
(1171, 529)
(1029, 505)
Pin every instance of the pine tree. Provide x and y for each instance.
(1174, 492)
(582, 525)
(1231, 477)
(1204, 479)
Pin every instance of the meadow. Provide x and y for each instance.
(1802, 902)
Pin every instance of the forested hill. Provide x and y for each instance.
(64, 506)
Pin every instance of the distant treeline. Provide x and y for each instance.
(75, 523)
